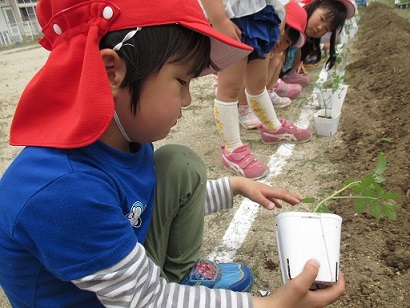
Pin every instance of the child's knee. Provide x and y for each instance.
(174, 158)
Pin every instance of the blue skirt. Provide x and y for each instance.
(260, 31)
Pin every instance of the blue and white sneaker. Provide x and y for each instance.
(231, 276)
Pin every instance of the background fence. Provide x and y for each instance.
(17, 33)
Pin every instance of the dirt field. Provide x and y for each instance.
(375, 255)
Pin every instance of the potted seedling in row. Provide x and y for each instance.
(331, 94)
(301, 236)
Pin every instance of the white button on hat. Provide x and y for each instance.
(57, 29)
(108, 12)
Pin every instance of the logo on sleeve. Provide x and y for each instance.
(134, 216)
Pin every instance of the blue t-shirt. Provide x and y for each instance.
(68, 213)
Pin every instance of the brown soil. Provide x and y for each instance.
(375, 255)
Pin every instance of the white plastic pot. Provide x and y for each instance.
(301, 236)
(326, 126)
(338, 98)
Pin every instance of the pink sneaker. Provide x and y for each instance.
(277, 101)
(289, 132)
(247, 118)
(242, 162)
(296, 78)
(284, 89)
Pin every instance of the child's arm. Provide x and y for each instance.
(218, 195)
(215, 11)
(135, 282)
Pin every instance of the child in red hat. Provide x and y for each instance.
(91, 215)
(324, 17)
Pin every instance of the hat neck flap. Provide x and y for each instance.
(68, 103)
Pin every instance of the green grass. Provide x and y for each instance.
(387, 2)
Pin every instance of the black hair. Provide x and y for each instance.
(292, 34)
(152, 47)
(335, 11)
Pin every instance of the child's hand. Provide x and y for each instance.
(263, 194)
(227, 27)
(301, 69)
(219, 20)
(296, 293)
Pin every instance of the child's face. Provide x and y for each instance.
(318, 25)
(159, 106)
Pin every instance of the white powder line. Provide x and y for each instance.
(242, 221)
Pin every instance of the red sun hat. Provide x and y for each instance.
(68, 103)
(296, 17)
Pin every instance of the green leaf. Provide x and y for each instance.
(308, 200)
(347, 182)
(381, 164)
(367, 194)
(360, 205)
(389, 211)
(368, 180)
(390, 195)
(357, 189)
(387, 139)
(379, 178)
(376, 211)
(374, 191)
(323, 209)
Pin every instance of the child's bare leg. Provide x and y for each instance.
(274, 68)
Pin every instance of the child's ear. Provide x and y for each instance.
(114, 67)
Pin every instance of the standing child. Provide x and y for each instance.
(91, 215)
(255, 23)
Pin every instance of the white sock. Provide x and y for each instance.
(227, 122)
(263, 109)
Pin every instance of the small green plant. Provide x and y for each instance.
(384, 140)
(334, 82)
(331, 86)
(367, 194)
